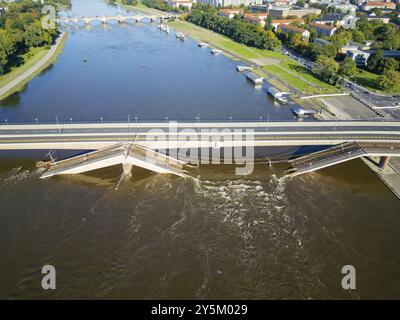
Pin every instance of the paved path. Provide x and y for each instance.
(18, 80)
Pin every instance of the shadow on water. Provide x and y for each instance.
(47, 69)
(12, 100)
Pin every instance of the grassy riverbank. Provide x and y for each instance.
(271, 63)
(30, 59)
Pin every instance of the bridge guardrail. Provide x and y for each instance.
(68, 122)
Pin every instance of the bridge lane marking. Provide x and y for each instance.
(100, 139)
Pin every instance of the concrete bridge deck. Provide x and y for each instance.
(137, 143)
(127, 155)
(167, 135)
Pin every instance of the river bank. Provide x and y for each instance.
(282, 71)
(140, 7)
(272, 64)
(19, 77)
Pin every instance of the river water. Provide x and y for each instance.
(213, 236)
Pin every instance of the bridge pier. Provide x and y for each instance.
(127, 168)
(383, 162)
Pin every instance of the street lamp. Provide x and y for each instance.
(58, 125)
(101, 119)
(6, 121)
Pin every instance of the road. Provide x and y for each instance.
(197, 134)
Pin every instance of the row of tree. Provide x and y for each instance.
(126, 2)
(163, 6)
(21, 29)
(239, 30)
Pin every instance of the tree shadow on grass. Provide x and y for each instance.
(365, 82)
(298, 68)
(15, 62)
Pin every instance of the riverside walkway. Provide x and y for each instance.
(38, 66)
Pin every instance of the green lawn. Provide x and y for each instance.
(282, 74)
(307, 75)
(29, 60)
(366, 79)
(237, 48)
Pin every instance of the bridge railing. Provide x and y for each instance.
(194, 121)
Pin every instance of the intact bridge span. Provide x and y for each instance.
(137, 143)
(117, 18)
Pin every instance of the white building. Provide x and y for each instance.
(358, 56)
(344, 20)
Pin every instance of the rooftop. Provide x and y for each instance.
(230, 10)
(289, 27)
(376, 3)
(322, 41)
(287, 20)
(321, 26)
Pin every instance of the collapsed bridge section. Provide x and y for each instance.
(127, 155)
(344, 152)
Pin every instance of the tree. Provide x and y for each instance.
(388, 64)
(358, 36)
(268, 24)
(374, 60)
(326, 68)
(35, 35)
(271, 42)
(21, 29)
(347, 67)
(390, 81)
(328, 50)
(341, 38)
(309, 17)
(239, 30)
